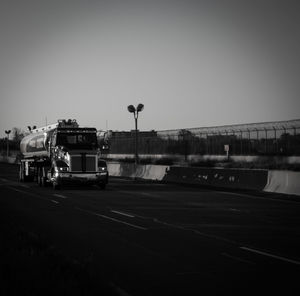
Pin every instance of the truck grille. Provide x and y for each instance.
(83, 163)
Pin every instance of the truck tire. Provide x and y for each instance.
(44, 182)
(40, 178)
(21, 174)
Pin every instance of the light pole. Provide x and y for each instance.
(7, 147)
(31, 128)
(135, 112)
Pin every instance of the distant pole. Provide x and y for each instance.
(7, 147)
(135, 112)
(136, 138)
(31, 128)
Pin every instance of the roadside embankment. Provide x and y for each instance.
(286, 182)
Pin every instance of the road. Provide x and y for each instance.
(165, 239)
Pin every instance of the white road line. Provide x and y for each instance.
(59, 195)
(139, 193)
(238, 259)
(234, 210)
(189, 273)
(119, 221)
(112, 219)
(123, 214)
(257, 197)
(23, 185)
(54, 201)
(149, 194)
(270, 255)
(14, 183)
(24, 192)
(118, 290)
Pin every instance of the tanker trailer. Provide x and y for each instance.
(62, 153)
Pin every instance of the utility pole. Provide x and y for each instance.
(7, 147)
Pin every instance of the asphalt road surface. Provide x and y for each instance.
(163, 239)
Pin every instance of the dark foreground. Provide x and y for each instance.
(145, 239)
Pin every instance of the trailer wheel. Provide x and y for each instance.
(43, 182)
(40, 178)
(21, 174)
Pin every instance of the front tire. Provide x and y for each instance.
(21, 174)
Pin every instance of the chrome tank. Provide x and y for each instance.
(35, 144)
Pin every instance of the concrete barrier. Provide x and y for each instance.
(283, 182)
(149, 172)
(218, 177)
(287, 182)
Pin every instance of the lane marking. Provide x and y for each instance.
(59, 195)
(24, 192)
(238, 258)
(122, 213)
(258, 197)
(189, 273)
(234, 210)
(32, 194)
(270, 255)
(140, 193)
(119, 221)
(149, 194)
(112, 219)
(118, 290)
(13, 183)
(23, 185)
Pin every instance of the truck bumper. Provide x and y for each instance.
(81, 178)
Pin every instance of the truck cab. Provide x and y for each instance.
(62, 155)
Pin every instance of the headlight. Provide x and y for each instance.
(102, 166)
(61, 166)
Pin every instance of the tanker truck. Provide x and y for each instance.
(62, 153)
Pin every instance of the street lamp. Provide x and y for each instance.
(7, 147)
(31, 128)
(135, 112)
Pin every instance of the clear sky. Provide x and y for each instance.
(191, 63)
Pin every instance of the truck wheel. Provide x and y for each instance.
(21, 174)
(39, 177)
(43, 182)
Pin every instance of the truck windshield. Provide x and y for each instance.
(77, 140)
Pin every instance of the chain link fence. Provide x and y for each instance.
(272, 138)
